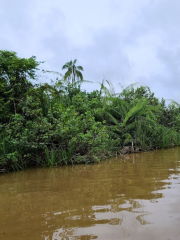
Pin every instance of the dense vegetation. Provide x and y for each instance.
(58, 123)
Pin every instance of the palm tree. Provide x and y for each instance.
(73, 71)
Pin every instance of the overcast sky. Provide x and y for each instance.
(125, 41)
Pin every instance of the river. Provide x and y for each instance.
(136, 197)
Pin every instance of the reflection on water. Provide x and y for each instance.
(135, 198)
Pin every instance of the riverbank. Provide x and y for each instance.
(59, 123)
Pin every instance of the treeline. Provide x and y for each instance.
(58, 123)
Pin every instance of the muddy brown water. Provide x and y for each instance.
(136, 198)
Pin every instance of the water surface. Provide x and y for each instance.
(134, 198)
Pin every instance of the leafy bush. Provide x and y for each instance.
(58, 123)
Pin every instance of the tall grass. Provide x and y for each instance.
(56, 156)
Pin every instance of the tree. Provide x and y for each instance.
(15, 76)
(73, 71)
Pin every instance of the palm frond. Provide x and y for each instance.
(74, 62)
(174, 102)
(54, 72)
(80, 68)
(113, 119)
(132, 85)
(134, 110)
(81, 81)
(67, 74)
(66, 66)
(79, 75)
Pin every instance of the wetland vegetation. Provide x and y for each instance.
(58, 123)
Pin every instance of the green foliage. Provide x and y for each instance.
(54, 124)
(15, 76)
(73, 72)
